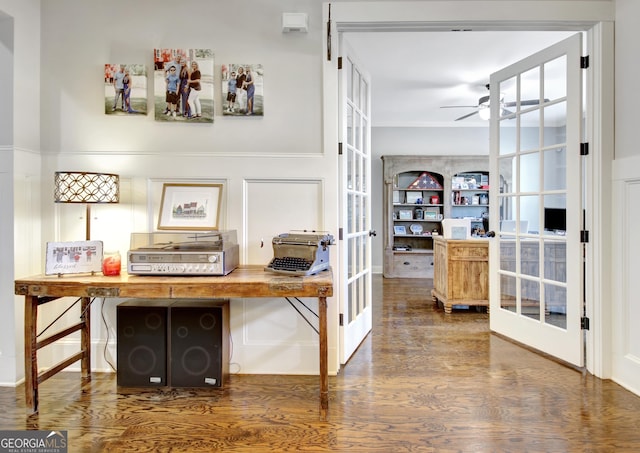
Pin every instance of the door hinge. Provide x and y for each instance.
(339, 63)
(584, 236)
(340, 149)
(339, 234)
(584, 149)
(584, 323)
(341, 320)
(584, 62)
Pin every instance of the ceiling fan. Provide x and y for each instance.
(483, 106)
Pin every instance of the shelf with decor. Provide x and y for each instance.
(470, 199)
(417, 197)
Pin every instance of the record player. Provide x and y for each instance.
(193, 253)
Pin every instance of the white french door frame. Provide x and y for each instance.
(355, 280)
(354, 16)
(532, 187)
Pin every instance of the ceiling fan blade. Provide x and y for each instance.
(525, 102)
(467, 116)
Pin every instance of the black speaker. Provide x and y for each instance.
(142, 343)
(199, 345)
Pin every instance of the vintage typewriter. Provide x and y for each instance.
(300, 253)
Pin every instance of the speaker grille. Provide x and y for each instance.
(142, 345)
(196, 358)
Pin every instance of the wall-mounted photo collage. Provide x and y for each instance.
(183, 87)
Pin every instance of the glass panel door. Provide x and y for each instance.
(536, 288)
(355, 167)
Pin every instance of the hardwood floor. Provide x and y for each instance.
(421, 381)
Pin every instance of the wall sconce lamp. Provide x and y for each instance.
(87, 188)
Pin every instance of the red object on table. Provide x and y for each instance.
(111, 264)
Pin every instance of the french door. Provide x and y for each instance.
(355, 202)
(536, 290)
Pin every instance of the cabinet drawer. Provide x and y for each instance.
(413, 265)
(473, 252)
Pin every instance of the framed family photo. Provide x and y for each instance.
(242, 89)
(125, 89)
(190, 207)
(183, 83)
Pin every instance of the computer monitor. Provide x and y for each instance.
(555, 219)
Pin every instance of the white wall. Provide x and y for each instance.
(19, 170)
(627, 75)
(281, 152)
(626, 175)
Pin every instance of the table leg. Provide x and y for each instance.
(31, 353)
(85, 337)
(324, 367)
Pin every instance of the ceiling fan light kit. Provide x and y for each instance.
(483, 109)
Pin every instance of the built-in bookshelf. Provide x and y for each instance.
(421, 191)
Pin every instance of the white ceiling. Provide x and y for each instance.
(413, 74)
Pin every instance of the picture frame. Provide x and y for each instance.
(125, 88)
(194, 68)
(242, 89)
(430, 215)
(75, 257)
(193, 207)
(405, 214)
(414, 197)
(399, 229)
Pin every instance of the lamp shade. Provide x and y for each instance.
(83, 187)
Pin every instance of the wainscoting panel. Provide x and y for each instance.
(269, 336)
(626, 258)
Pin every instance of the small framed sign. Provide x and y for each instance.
(414, 197)
(399, 229)
(73, 257)
(405, 214)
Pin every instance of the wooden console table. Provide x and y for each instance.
(461, 272)
(245, 281)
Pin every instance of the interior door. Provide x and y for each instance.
(536, 290)
(355, 203)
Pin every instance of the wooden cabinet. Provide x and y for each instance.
(418, 195)
(416, 213)
(461, 272)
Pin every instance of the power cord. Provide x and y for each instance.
(106, 342)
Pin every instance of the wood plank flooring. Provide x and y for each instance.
(421, 381)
